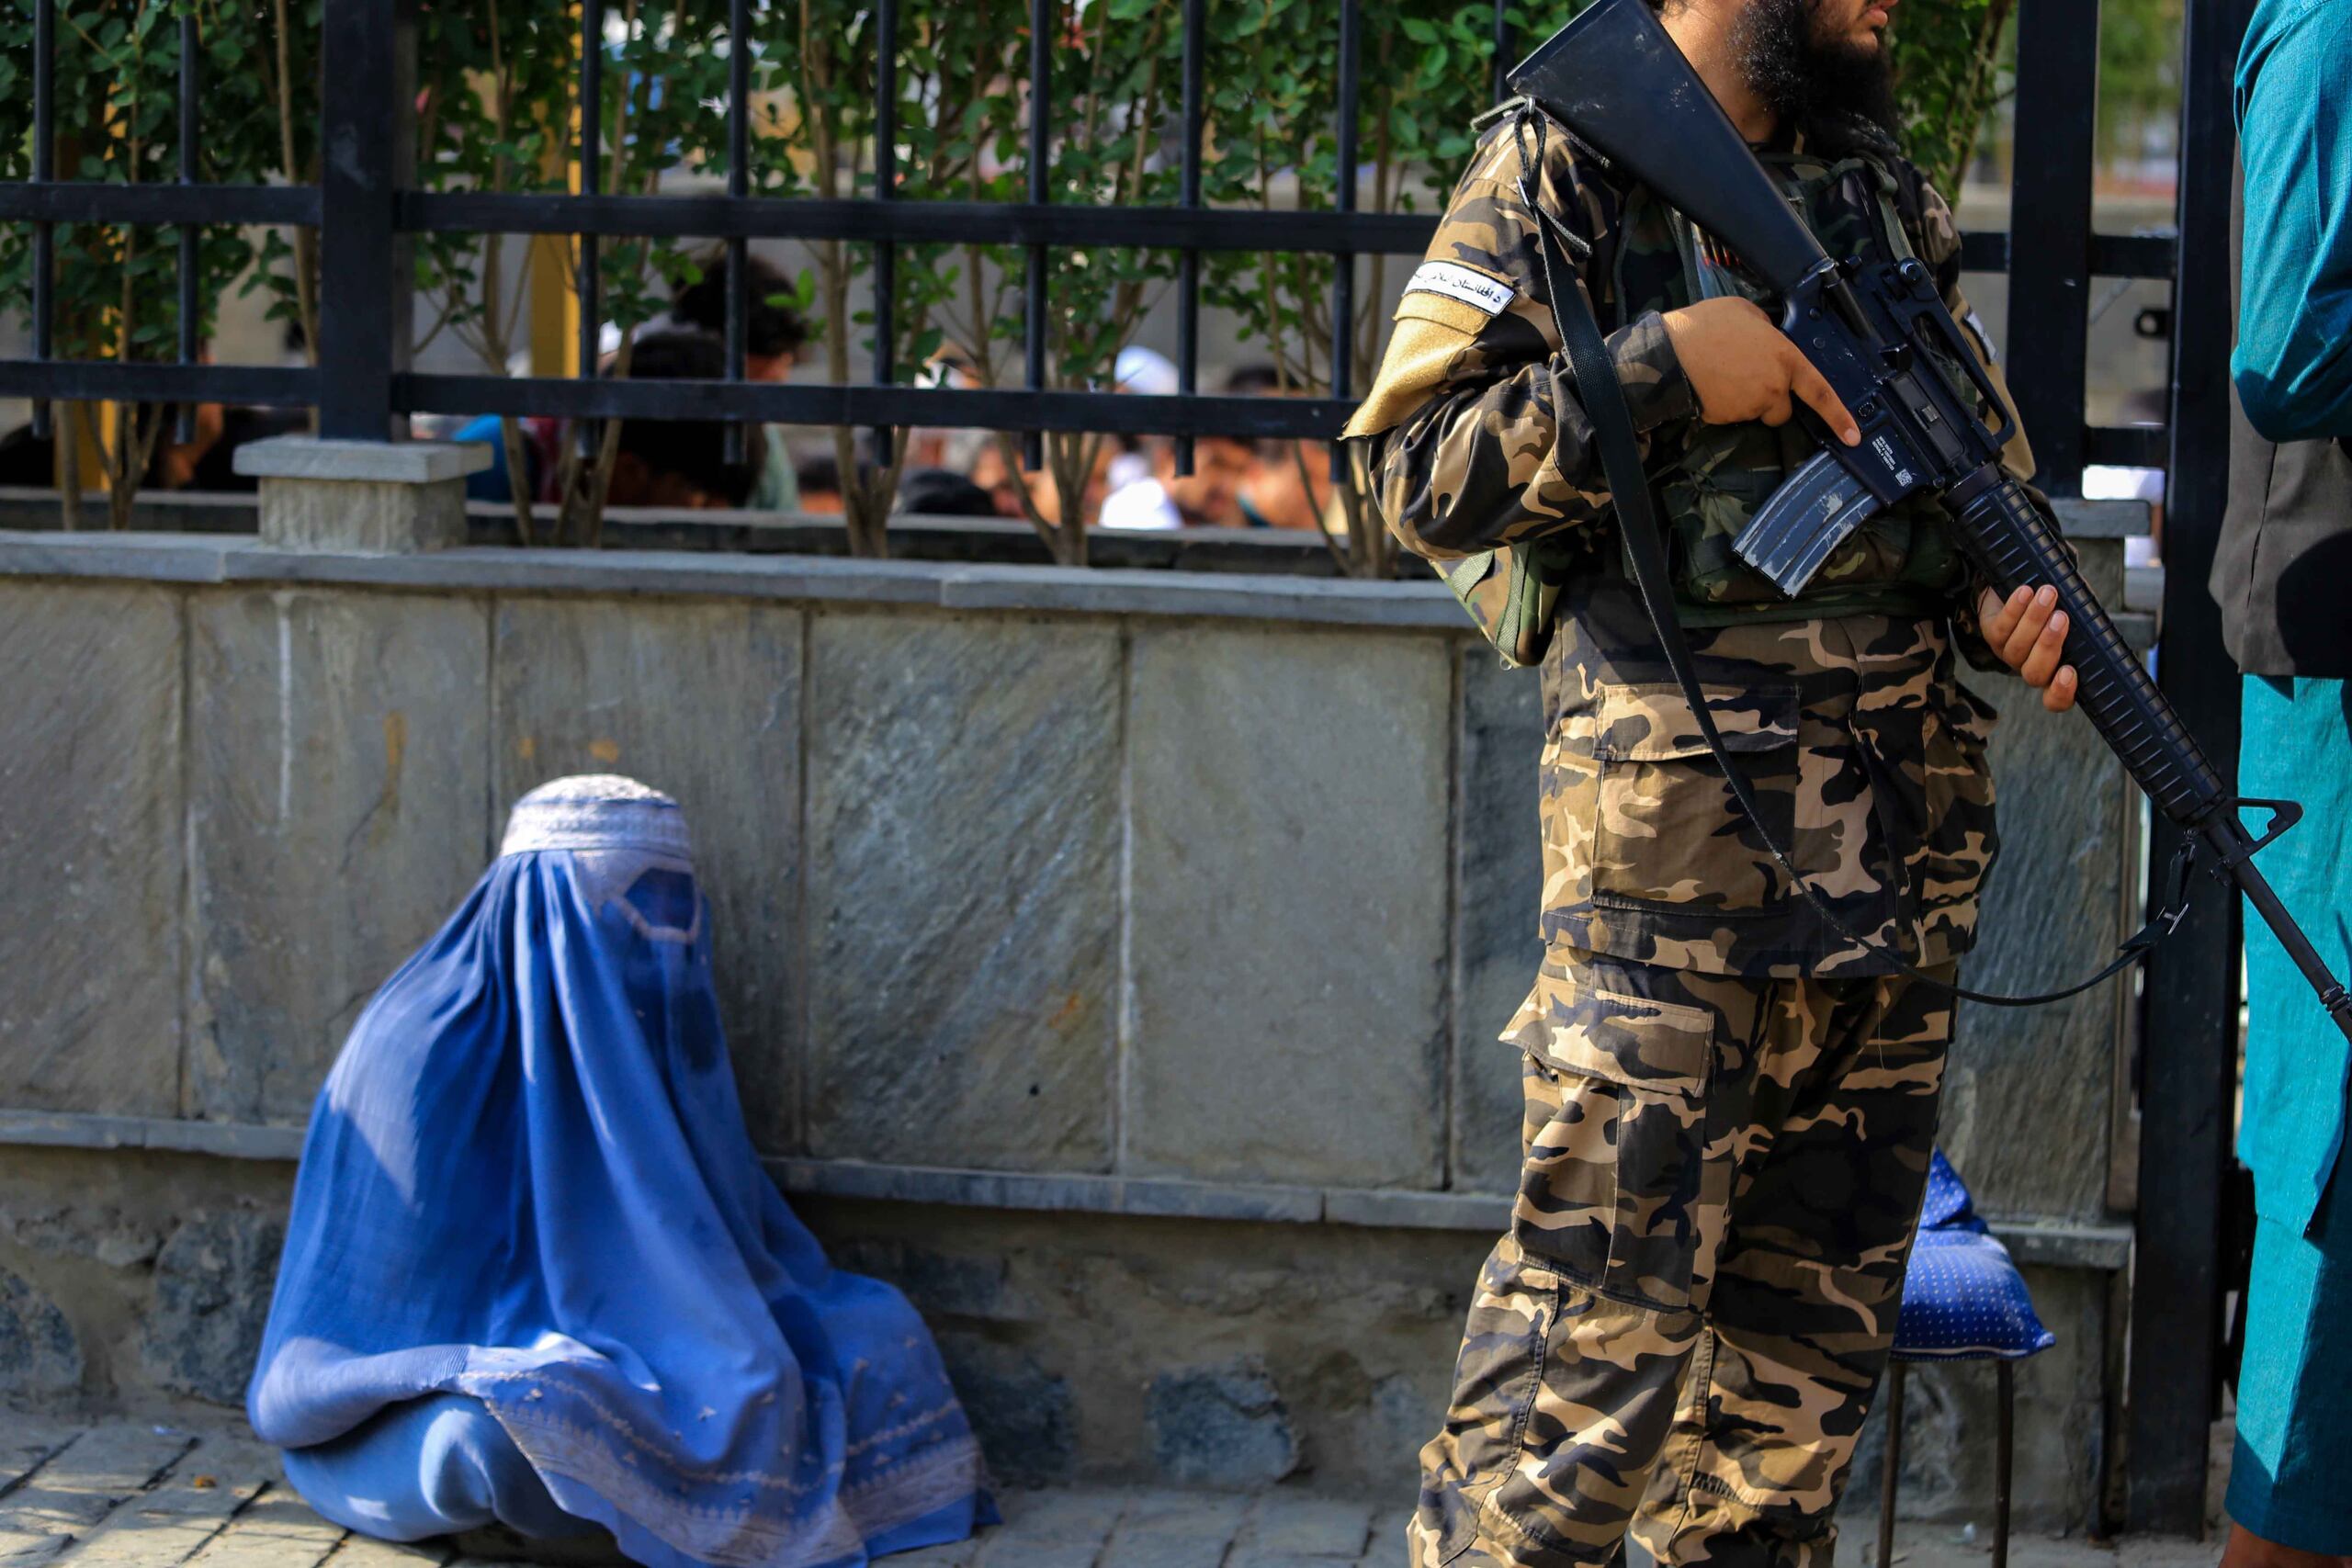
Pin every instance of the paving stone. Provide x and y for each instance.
(1072, 1518)
(25, 1443)
(365, 1552)
(1258, 1557)
(1289, 842)
(702, 701)
(142, 1541)
(1167, 1548)
(80, 1486)
(1037, 1554)
(1176, 1530)
(1387, 1548)
(91, 848)
(963, 890)
(1308, 1527)
(338, 791)
(955, 1554)
(277, 1532)
(167, 1525)
(1184, 1513)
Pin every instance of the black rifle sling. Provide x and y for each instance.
(1603, 400)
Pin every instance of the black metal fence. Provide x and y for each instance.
(366, 212)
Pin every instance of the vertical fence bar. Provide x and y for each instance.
(2050, 231)
(2188, 1051)
(367, 52)
(588, 285)
(1343, 264)
(44, 169)
(886, 188)
(1188, 274)
(739, 187)
(190, 64)
(1503, 61)
(1032, 326)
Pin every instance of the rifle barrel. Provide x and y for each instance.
(2228, 838)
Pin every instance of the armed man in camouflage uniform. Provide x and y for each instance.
(1729, 1106)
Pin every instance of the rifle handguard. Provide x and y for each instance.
(2011, 541)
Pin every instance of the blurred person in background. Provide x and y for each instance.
(204, 462)
(942, 492)
(994, 473)
(680, 463)
(1210, 496)
(774, 334)
(819, 483)
(946, 447)
(1290, 481)
(2279, 574)
(1147, 374)
(1005, 481)
(1145, 491)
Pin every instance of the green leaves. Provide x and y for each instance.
(1949, 69)
(117, 66)
(497, 111)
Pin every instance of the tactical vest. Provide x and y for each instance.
(1710, 478)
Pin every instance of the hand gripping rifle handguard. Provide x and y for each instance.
(1618, 83)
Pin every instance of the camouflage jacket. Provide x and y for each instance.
(1867, 754)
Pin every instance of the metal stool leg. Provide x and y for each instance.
(2005, 1373)
(1888, 1483)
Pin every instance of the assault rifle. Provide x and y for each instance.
(1617, 82)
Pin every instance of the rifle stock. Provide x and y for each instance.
(1626, 92)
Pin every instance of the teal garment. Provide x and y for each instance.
(2294, 1426)
(2297, 745)
(2294, 362)
(779, 486)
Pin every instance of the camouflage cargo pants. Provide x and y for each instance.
(1682, 1333)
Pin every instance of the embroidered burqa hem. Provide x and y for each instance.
(527, 1194)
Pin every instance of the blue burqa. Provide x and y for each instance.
(535, 1273)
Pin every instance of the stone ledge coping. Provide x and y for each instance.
(380, 462)
(219, 559)
(2050, 1243)
(2103, 519)
(218, 511)
(223, 559)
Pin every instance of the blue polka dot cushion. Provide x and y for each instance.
(1963, 1298)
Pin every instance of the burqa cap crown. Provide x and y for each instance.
(597, 811)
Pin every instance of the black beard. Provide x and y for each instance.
(1806, 80)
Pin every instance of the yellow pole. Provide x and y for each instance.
(555, 304)
(555, 310)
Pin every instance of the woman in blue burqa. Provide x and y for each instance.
(535, 1274)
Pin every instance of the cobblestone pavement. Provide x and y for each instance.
(127, 1495)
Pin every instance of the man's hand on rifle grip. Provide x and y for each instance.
(1742, 368)
(2029, 631)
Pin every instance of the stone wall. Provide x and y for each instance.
(1112, 958)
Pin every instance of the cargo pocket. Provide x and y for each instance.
(1666, 828)
(1616, 1137)
(1958, 838)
